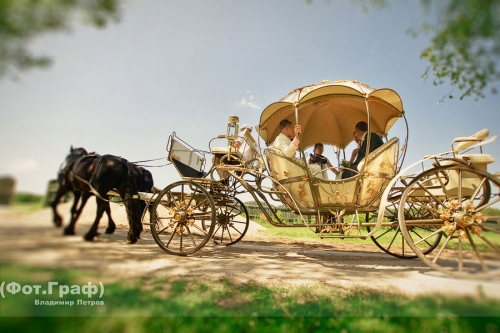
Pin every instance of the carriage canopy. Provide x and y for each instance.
(328, 112)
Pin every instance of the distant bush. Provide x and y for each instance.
(26, 198)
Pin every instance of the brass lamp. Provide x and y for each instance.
(232, 129)
(232, 132)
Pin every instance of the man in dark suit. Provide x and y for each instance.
(375, 142)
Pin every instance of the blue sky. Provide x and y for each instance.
(185, 66)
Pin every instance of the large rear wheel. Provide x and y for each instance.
(450, 201)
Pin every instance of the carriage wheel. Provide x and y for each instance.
(232, 222)
(450, 201)
(390, 239)
(183, 218)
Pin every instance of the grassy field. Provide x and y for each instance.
(153, 304)
(188, 305)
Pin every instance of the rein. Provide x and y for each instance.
(151, 166)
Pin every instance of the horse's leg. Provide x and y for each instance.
(101, 208)
(74, 209)
(57, 218)
(135, 209)
(75, 213)
(111, 224)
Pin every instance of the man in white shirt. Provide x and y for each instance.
(284, 140)
(288, 142)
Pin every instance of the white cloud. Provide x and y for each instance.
(247, 102)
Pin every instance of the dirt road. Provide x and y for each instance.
(33, 239)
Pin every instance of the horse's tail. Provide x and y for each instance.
(135, 207)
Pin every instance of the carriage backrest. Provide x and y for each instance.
(463, 143)
(380, 168)
(387, 153)
(291, 173)
(188, 162)
(481, 160)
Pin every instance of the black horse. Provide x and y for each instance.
(66, 185)
(94, 174)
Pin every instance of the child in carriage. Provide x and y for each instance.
(322, 161)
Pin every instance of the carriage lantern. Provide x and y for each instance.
(232, 129)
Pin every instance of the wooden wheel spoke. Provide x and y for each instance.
(232, 227)
(384, 233)
(488, 204)
(191, 236)
(479, 187)
(493, 246)
(162, 230)
(429, 194)
(393, 238)
(422, 206)
(478, 255)
(200, 229)
(425, 238)
(201, 203)
(171, 237)
(436, 258)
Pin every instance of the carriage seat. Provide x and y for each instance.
(185, 170)
(284, 167)
(220, 153)
(187, 161)
(481, 160)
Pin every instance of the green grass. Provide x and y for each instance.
(383, 239)
(152, 304)
(306, 233)
(24, 202)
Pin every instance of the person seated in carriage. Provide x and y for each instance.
(284, 140)
(288, 143)
(242, 145)
(360, 131)
(355, 150)
(322, 161)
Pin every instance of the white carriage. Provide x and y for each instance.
(431, 209)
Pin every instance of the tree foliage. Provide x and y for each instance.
(465, 47)
(465, 42)
(23, 20)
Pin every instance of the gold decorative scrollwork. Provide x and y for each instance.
(449, 227)
(371, 189)
(301, 192)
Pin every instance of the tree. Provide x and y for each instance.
(465, 47)
(23, 20)
(465, 43)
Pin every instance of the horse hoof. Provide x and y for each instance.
(110, 230)
(68, 232)
(89, 238)
(58, 223)
(131, 241)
